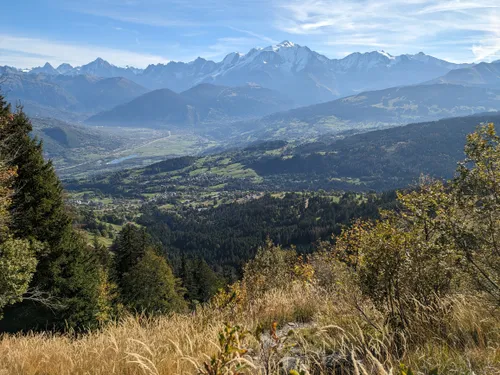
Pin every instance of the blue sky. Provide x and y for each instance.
(138, 33)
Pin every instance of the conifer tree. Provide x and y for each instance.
(66, 272)
(17, 260)
(129, 247)
(199, 280)
(145, 280)
(38, 209)
(150, 286)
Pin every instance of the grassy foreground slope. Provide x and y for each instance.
(325, 326)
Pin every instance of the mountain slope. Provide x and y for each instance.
(156, 108)
(374, 109)
(95, 94)
(483, 74)
(243, 101)
(385, 159)
(46, 69)
(64, 68)
(200, 104)
(66, 96)
(36, 88)
(68, 144)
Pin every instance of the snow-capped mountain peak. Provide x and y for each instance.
(386, 54)
(286, 44)
(285, 57)
(277, 47)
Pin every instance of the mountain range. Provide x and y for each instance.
(482, 75)
(251, 112)
(306, 76)
(204, 103)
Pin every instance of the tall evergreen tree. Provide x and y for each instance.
(150, 286)
(129, 247)
(145, 280)
(66, 272)
(199, 280)
(17, 259)
(37, 206)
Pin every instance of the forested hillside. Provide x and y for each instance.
(379, 160)
(369, 110)
(385, 159)
(228, 235)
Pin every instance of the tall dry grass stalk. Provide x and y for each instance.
(464, 340)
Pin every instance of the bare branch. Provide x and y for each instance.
(44, 298)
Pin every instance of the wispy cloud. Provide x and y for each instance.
(27, 52)
(394, 24)
(142, 18)
(457, 6)
(489, 48)
(255, 35)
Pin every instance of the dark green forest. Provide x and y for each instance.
(228, 236)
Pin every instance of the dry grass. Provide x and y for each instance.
(130, 347)
(464, 340)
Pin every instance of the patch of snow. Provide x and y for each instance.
(388, 55)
